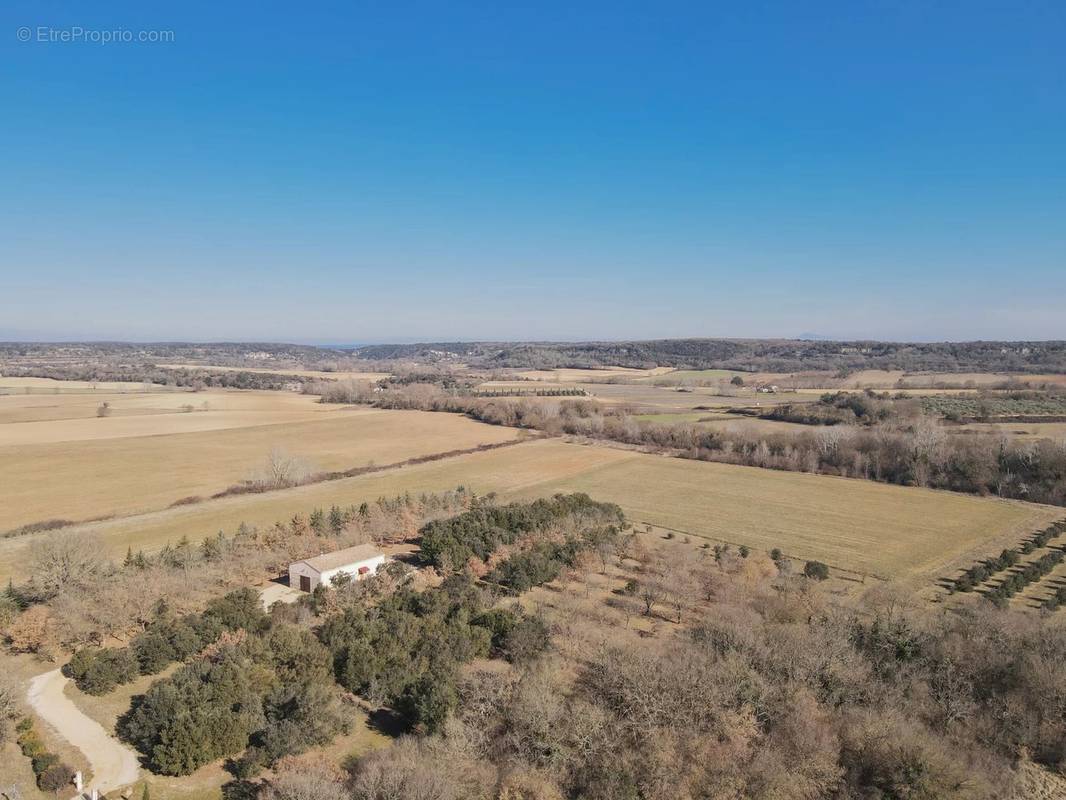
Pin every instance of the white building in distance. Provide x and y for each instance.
(357, 562)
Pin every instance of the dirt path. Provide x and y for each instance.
(113, 764)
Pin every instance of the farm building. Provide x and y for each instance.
(358, 562)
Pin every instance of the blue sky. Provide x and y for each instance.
(358, 172)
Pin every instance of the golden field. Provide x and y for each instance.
(73, 417)
(10, 385)
(88, 468)
(891, 531)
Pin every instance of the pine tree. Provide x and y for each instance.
(336, 521)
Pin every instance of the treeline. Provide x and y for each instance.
(451, 543)
(217, 353)
(572, 391)
(917, 453)
(160, 376)
(76, 598)
(748, 355)
(845, 408)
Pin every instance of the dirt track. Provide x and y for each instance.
(113, 764)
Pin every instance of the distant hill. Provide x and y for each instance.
(751, 355)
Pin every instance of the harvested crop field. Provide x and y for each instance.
(125, 474)
(12, 385)
(43, 419)
(893, 531)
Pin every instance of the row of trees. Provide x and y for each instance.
(189, 377)
(1030, 573)
(919, 453)
(451, 543)
(76, 598)
(980, 572)
(1057, 599)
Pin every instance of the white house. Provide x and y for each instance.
(358, 562)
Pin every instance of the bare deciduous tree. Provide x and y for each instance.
(305, 779)
(281, 471)
(63, 559)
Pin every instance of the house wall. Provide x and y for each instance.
(300, 568)
(372, 565)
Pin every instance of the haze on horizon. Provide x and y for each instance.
(615, 171)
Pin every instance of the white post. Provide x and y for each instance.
(78, 781)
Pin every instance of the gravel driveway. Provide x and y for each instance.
(113, 764)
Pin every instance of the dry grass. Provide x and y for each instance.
(892, 531)
(15, 771)
(898, 532)
(1037, 783)
(88, 479)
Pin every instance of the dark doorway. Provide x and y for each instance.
(305, 583)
